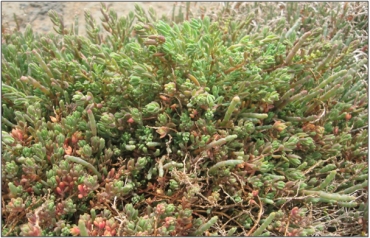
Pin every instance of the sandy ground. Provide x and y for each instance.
(36, 13)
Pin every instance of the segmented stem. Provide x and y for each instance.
(354, 188)
(327, 181)
(221, 141)
(225, 163)
(84, 163)
(330, 196)
(265, 224)
(206, 226)
(232, 106)
(92, 122)
(291, 54)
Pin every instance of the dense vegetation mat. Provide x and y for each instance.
(251, 120)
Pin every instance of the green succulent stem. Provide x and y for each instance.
(171, 164)
(298, 96)
(349, 94)
(362, 177)
(267, 222)
(335, 90)
(301, 82)
(231, 231)
(291, 99)
(84, 163)
(295, 119)
(308, 97)
(130, 147)
(330, 79)
(7, 122)
(354, 188)
(36, 84)
(330, 201)
(83, 230)
(194, 80)
(267, 201)
(160, 166)
(293, 28)
(325, 62)
(255, 115)
(266, 127)
(287, 94)
(326, 182)
(234, 102)
(6, 138)
(153, 144)
(206, 226)
(224, 164)
(348, 204)
(92, 122)
(330, 196)
(43, 65)
(284, 99)
(294, 50)
(221, 141)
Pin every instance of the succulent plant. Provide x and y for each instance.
(248, 121)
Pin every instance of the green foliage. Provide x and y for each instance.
(241, 119)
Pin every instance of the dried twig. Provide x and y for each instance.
(258, 219)
(122, 219)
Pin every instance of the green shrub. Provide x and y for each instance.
(232, 123)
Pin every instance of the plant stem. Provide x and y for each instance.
(265, 224)
(330, 196)
(327, 181)
(82, 227)
(206, 226)
(225, 163)
(354, 188)
(291, 54)
(92, 122)
(84, 163)
(221, 141)
(255, 115)
(232, 106)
